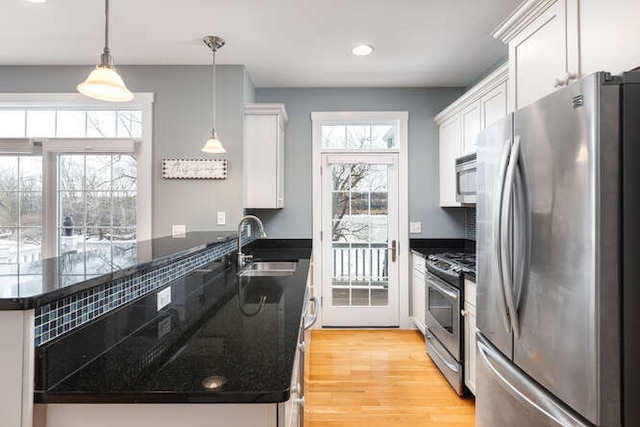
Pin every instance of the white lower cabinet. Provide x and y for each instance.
(469, 313)
(418, 292)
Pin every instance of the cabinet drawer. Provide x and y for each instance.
(470, 292)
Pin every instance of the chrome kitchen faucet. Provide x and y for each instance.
(242, 257)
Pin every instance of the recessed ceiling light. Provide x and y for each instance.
(36, 1)
(362, 50)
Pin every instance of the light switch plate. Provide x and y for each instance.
(222, 218)
(178, 230)
(164, 297)
(415, 227)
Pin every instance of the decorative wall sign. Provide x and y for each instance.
(194, 169)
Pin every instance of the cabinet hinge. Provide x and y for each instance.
(321, 236)
(321, 301)
(320, 170)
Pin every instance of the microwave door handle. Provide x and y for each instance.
(505, 237)
(497, 230)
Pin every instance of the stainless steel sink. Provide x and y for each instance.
(269, 268)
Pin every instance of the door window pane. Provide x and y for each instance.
(97, 200)
(101, 124)
(20, 208)
(71, 124)
(12, 123)
(41, 123)
(359, 235)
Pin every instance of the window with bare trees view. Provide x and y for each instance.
(95, 193)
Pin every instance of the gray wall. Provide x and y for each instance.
(182, 122)
(422, 104)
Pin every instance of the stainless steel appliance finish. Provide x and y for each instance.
(443, 320)
(466, 179)
(548, 295)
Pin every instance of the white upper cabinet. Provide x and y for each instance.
(471, 125)
(263, 155)
(460, 123)
(553, 42)
(450, 148)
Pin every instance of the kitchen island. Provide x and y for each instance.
(226, 342)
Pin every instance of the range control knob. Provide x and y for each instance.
(432, 257)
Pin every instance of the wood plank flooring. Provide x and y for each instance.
(378, 378)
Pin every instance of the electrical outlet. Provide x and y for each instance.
(164, 327)
(164, 297)
(415, 227)
(222, 218)
(178, 230)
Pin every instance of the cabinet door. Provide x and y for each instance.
(493, 105)
(260, 154)
(418, 297)
(450, 147)
(470, 347)
(616, 52)
(280, 166)
(539, 55)
(470, 118)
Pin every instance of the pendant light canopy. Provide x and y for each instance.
(104, 83)
(213, 144)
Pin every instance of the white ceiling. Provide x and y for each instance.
(283, 43)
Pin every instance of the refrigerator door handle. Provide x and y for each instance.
(523, 247)
(505, 237)
(521, 387)
(497, 230)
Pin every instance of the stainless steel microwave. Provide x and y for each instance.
(466, 179)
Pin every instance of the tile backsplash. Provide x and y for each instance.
(59, 317)
(470, 224)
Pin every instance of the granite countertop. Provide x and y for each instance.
(31, 284)
(214, 326)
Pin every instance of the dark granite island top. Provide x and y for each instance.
(31, 284)
(241, 329)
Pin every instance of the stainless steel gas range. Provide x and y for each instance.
(444, 278)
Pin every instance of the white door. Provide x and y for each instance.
(360, 239)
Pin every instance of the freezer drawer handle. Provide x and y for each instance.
(523, 388)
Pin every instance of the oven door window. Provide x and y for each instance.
(441, 308)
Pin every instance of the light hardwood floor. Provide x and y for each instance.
(378, 378)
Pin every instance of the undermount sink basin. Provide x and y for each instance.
(269, 268)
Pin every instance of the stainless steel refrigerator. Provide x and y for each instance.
(553, 261)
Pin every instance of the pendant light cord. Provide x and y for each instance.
(213, 130)
(106, 26)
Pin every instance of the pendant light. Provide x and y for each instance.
(213, 144)
(104, 83)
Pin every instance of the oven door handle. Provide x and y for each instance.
(439, 287)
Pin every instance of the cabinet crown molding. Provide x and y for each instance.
(520, 18)
(267, 109)
(497, 77)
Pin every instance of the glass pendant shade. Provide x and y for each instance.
(104, 83)
(213, 145)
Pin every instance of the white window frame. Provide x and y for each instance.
(141, 101)
(401, 118)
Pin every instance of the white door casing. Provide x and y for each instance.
(400, 119)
